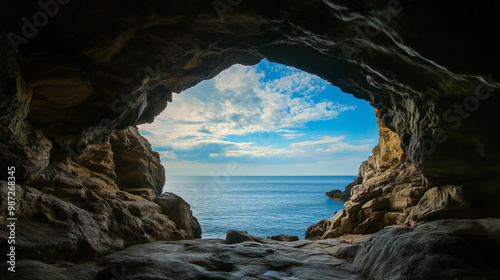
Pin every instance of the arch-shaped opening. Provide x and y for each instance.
(268, 141)
(77, 76)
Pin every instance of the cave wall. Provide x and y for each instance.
(93, 68)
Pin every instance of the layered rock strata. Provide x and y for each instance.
(390, 187)
(104, 200)
(392, 191)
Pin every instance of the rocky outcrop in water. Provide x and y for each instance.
(346, 193)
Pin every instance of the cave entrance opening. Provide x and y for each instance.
(256, 148)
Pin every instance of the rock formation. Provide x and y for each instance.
(444, 249)
(390, 187)
(101, 201)
(339, 195)
(285, 237)
(346, 193)
(392, 191)
(77, 76)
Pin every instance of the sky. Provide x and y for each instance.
(267, 119)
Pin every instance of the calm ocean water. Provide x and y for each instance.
(261, 205)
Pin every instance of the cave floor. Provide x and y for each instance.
(207, 259)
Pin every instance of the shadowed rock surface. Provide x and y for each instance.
(445, 249)
(73, 89)
(206, 259)
(285, 237)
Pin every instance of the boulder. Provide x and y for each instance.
(444, 249)
(285, 237)
(179, 211)
(235, 236)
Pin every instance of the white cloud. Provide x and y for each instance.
(167, 155)
(325, 147)
(289, 133)
(328, 145)
(241, 101)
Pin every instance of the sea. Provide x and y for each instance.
(261, 205)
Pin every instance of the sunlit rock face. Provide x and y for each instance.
(390, 190)
(390, 186)
(94, 67)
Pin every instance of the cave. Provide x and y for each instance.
(78, 77)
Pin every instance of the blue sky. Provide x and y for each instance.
(266, 119)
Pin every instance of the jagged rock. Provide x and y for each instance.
(23, 145)
(28, 151)
(97, 217)
(285, 237)
(445, 249)
(51, 230)
(99, 158)
(74, 223)
(137, 166)
(15, 96)
(179, 212)
(392, 192)
(389, 187)
(346, 194)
